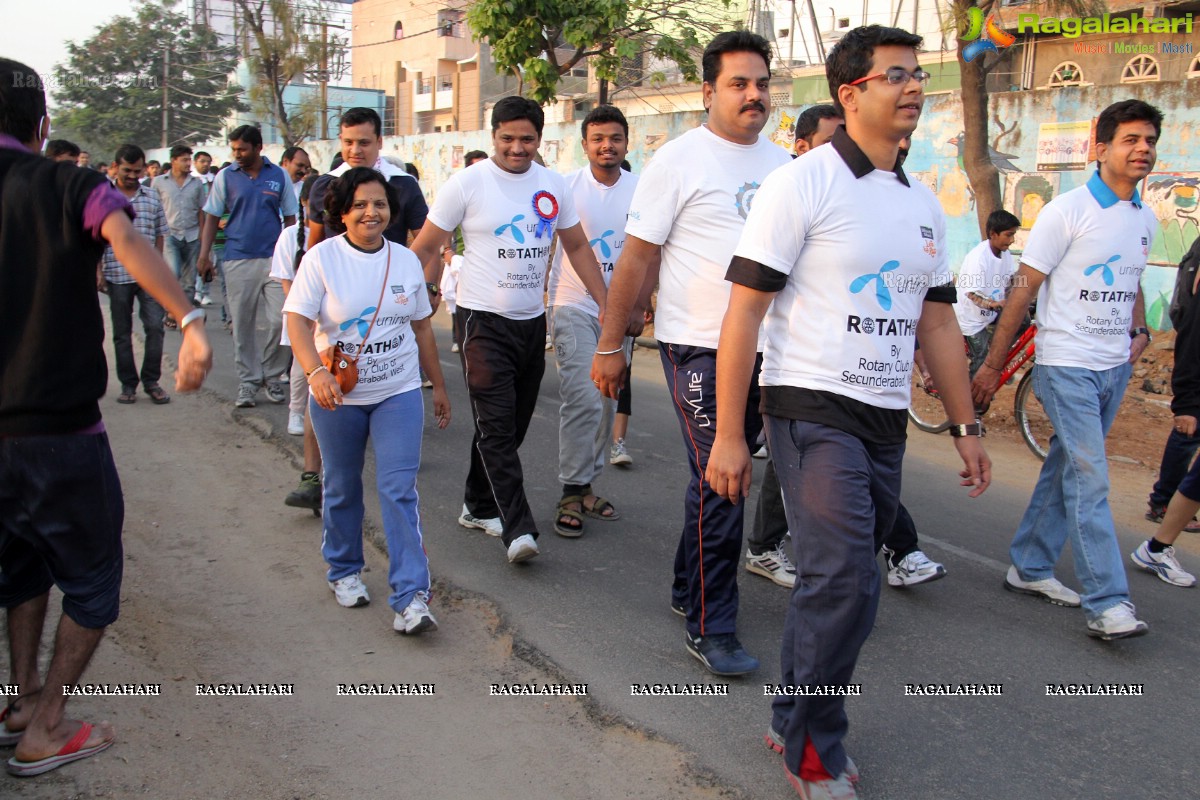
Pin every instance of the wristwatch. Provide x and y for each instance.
(973, 429)
(433, 288)
(1136, 332)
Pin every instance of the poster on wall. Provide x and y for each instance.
(1026, 194)
(1063, 146)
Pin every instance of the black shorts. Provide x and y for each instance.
(61, 512)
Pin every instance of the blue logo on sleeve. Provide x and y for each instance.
(516, 232)
(882, 294)
(1104, 269)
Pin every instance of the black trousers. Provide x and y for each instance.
(503, 362)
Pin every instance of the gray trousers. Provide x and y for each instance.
(255, 301)
(586, 416)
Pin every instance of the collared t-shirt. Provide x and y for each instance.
(413, 208)
(693, 199)
(149, 220)
(986, 275)
(182, 204)
(852, 252)
(338, 286)
(508, 240)
(256, 207)
(603, 211)
(1092, 247)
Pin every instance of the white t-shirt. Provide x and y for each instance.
(449, 287)
(283, 265)
(504, 263)
(603, 211)
(339, 286)
(1093, 259)
(986, 275)
(859, 255)
(693, 199)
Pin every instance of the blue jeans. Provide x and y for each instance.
(1177, 455)
(1071, 496)
(394, 426)
(181, 256)
(841, 494)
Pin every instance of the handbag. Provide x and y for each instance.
(342, 367)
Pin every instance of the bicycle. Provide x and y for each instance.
(927, 413)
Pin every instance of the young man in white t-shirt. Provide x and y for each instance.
(983, 284)
(854, 255)
(690, 207)
(1084, 260)
(602, 192)
(509, 208)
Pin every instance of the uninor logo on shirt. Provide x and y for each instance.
(1104, 269)
(605, 250)
(363, 321)
(516, 231)
(883, 295)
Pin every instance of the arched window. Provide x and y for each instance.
(398, 30)
(1194, 68)
(1068, 73)
(1140, 69)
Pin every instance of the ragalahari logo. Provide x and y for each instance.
(983, 35)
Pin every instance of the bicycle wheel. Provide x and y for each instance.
(925, 409)
(1036, 428)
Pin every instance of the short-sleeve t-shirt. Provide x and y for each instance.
(283, 265)
(603, 211)
(693, 199)
(413, 207)
(854, 257)
(507, 239)
(986, 275)
(1092, 247)
(338, 286)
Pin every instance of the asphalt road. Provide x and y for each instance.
(596, 609)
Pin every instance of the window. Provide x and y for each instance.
(450, 23)
(843, 22)
(398, 30)
(1140, 69)
(1068, 73)
(1194, 69)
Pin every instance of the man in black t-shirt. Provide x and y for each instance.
(61, 509)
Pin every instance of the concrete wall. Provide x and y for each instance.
(1173, 191)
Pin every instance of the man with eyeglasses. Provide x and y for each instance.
(856, 253)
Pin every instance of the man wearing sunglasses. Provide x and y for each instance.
(854, 254)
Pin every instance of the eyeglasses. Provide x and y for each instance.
(897, 76)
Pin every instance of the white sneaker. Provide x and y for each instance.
(915, 568)
(454, 347)
(549, 343)
(415, 618)
(1163, 564)
(773, 564)
(618, 456)
(761, 452)
(295, 424)
(206, 301)
(492, 526)
(1048, 589)
(350, 591)
(523, 548)
(1118, 622)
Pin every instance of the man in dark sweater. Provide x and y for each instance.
(61, 508)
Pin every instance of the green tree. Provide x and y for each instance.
(982, 174)
(110, 90)
(541, 40)
(282, 40)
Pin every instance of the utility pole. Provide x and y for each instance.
(323, 79)
(166, 77)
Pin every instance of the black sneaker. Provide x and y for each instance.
(307, 494)
(1155, 514)
(722, 653)
(679, 607)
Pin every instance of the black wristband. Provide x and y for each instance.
(433, 289)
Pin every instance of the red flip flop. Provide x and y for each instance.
(71, 751)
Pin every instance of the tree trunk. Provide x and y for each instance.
(981, 172)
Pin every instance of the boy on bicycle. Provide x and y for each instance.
(983, 284)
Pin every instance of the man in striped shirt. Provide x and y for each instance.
(151, 222)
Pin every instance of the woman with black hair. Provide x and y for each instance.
(367, 297)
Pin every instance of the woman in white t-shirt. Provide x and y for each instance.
(367, 296)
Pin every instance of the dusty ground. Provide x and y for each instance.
(223, 584)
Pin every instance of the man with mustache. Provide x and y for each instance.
(689, 209)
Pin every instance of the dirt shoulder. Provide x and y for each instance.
(224, 585)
